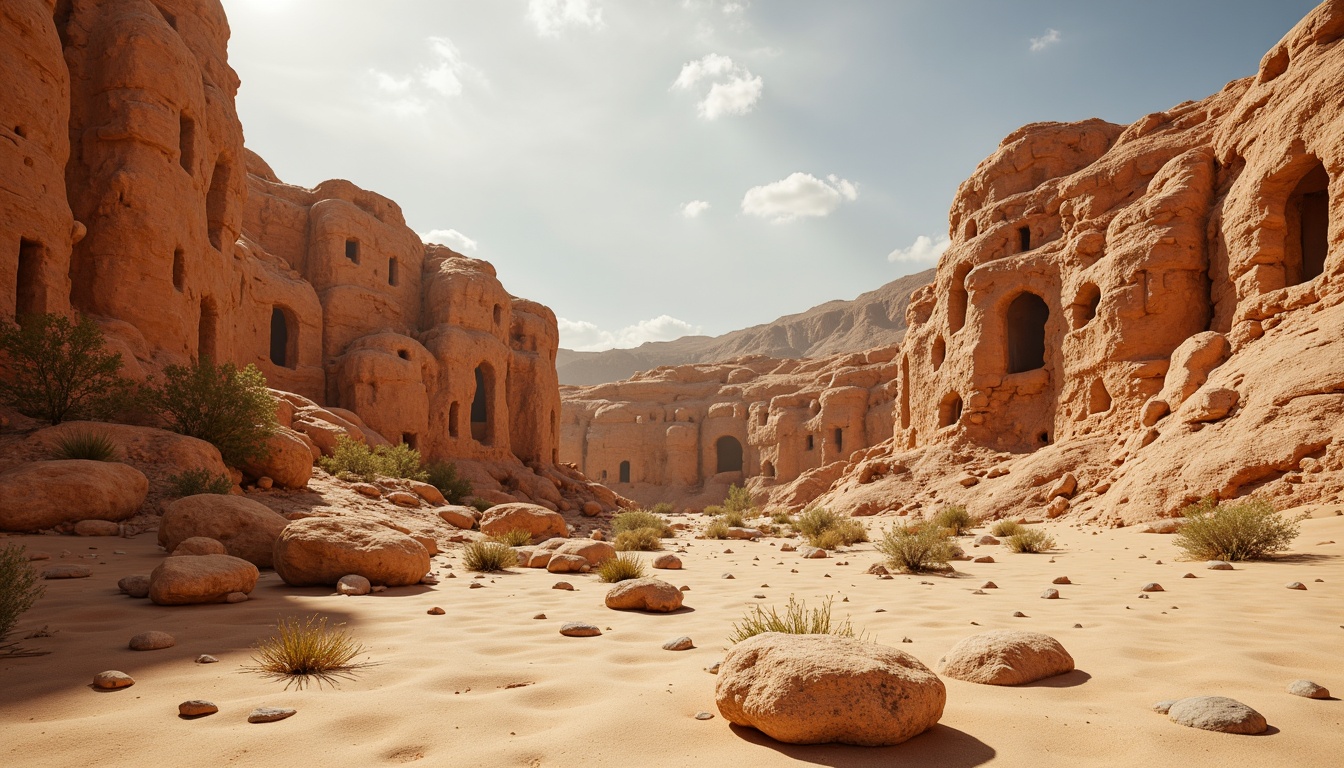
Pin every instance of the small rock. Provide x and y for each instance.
(579, 629)
(435, 611)
(787, 547)
(135, 586)
(598, 536)
(196, 708)
(152, 641)
(727, 576)
(565, 585)
(67, 572)
(979, 592)
(265, 483)
(269, 714)
(429, 579)
(1077, 626)
(236, 597)
(1062, 580)
(378, 588)
(1159, 562)
(668, 561)
(353, 584)
(684, 588)
(539, 616)
(1217, 713)
(877, 569)
(404, 499)
(206, 658)
(760, 596)
(1219, 565)
(906, 640)
(704, 716)
(1308, 689)
(1163, 707)
(812, 553)
(1295, 585)
(983, 559)
(682, 643)
(112, 679)
(39, 556)
(1188, 576)
(883, 577)
(727, 551)
(713, 669)
(986, 540)
(1020, 615)
(475, 585)
(1050, 594)
(1153, 586)
(989, 585)
(97, 528)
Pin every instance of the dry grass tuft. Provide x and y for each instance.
(638, 540)
(1005, 528)
(1245, 530)
(620, 568)
(303, 651)
(797, 619)
(917, 548)
(518, 537)
(1030, 541)
(955, 519)
(488, 557)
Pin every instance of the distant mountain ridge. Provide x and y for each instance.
(875, 318)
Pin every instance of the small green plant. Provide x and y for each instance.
(1030, 541)
(222, 404)
(400, 460)
(620, 568)
(916, 548)
(89, 445)
(638, 540)
(302, 651)
(782, 518)
(351, 457)
(733, 518)
(58, 370)
(797, 619)
(19, 590)
(662, 509)
(193, 482)
(488, 557)
(479, 504)
(1245, 530)
(443, 475)
(738, 500)
(518, 537)
(639, 518)
(956, 519)
(1005, 528)
(717, 529)
(828, 530)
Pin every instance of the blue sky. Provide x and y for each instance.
(651, 168)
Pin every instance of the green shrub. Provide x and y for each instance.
(197, 481)
(518, 537)
(1030, 541)
(713, 510)
(620, 568)
(1245, 530)
(733, 518)
(1005, 528)
(662, 509)
(400, 460)
(717, 529)
(638, 540)
(828, 530)
(479, 504)
(19, 590)
(223, 405)
(782, 518)
(90, 445)
(738, 500)
(488, 556)
(798, 619)
(351, 457)
(639, 518)
(443, 475)
(916, 548)
(307, 650)
(58, 370)
(955, 519)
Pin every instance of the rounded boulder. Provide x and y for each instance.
(288, 461)
(44, 494)
(595, 552)
(201, 579)
(1217, 713)
(646, 594)
(318, 551)
(539, 521)
(818, 689)
(246, 528)
(1006, 657)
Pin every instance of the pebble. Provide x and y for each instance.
(1077, 626)
(269, 714)
(682, 643)
(906, 640)
(435, 611)
(67, 572)
(197, 708)
(989, 585)
(985, 559)
(236, 597)
(879, 610)
(1163, 707)
(787, 548)
(704, 716)
(39, 556)
(1153, 586)
(759, 596)
(429, 579)
(152, 641)
(112, 680)
(1189, 576)
(1050, 594)
(883, 577)
(1020, 615)
(1295, 585)
(1062, 580)
(475, 585)
(1219, 565)
(579, 629)
(206, 658)
(727, 576)
(684, 588)
(727, 551)
(713, 669)
(1308, 689)
(565, 585)
(979, 592)
(539, 616)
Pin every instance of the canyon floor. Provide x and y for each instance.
(487, 684)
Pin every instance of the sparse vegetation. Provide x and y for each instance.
(1249, 529)
(19, 590)
(89, 445)
(443, 475)
(636, 519)
(479, 504)
(223, 405)
(517, 537)
(197, 481)
(1005, 528)
(353, 458)
(782, 518)
(58, 370)
(733, 518)
(620, 568)
(1030, 541)
(828, 530)
(798, 619)
(400, 460)
(638, 540)
(916, 548)
(739, 500)
(488, 556)
(301, 651)
(717, 529)
(956, 519)
(662, 509)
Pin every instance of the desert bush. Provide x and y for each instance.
(956, 519)
(638, 540)
(479, 504)
(713, 510)
(57, 370)
(1030, 541)
(733, 518)
(797, 619)
(1005, 528)
(916, 548)
(662, 509)
(443, 475)
(782, 518)
(488, 556)
(301, 651)
(223, 405)
(350, 457)
(19, 590)
(639, 518)
(828, 530)
(400, 460)
(90, 445)
(738, 500)
(197, 481)
(1250, 529)
(517, 537)
(620, 568)
(717, 529)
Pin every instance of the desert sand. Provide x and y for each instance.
(487, 684)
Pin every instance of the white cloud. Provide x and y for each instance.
(924, 250)
(413, 95)
(583, 336)
(694, 208)
(1050, 37)
(551, 16)
(734, 90)
(449, 237)
(801, 194)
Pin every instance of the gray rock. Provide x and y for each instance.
(269, 714)
(112, 679)
(67, 572)
(354, 585)
(682, 643)
(1219, 565)
(236, 597)
(206, 658)
(579, 629)
(1050, 594)
(135, 586)
(152, 641)
(704, 716)
(1217, 713)
(1308, 689)
(812, 553)
(197, 708)
(1163, 707)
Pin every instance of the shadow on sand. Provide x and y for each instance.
(939, 746)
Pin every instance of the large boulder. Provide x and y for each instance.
(320, 550)
(288, 462)
(646, 594)
(539, 521)
(815, 689)
(1006, 657)
(595, 552)
(201, 579)
(44, 494)
(246, 528)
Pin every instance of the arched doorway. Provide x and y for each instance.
(1025, 327)
(728, 452)
(625, 472)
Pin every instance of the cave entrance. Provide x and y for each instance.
(1308, 226)
(482, 403)
(207, 330)
(728, 451)
(624, 472)
(949, 410)
(1026, 332)
(28, 289)
(284, 332)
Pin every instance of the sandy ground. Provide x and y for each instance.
(489, 685)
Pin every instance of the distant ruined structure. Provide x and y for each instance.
(1129, 318)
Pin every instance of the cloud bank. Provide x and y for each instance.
(583, 336)
(797, 196)
(449, 237)
(924, 250)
